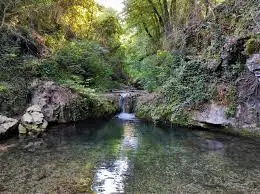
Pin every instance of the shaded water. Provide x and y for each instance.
(121, 156)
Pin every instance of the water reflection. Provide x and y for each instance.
(110, 176)
(122, 156)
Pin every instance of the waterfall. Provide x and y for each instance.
(123, 100)
(126, 106)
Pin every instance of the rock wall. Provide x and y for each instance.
(52, 99)
(50, 102)
(62, 105)
(211, 115)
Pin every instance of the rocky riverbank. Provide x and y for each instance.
(50, 102)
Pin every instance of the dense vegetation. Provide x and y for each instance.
(75, 43)
(187, 52)
(190, 52)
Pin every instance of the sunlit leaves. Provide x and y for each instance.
(107, 28)
(79, 19)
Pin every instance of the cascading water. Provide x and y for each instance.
(126, 106)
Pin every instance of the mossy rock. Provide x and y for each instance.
(87, 107)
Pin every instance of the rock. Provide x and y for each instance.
(34, 108)
(52, 100)
(213, 114)
(35, 145)
(253, 64)
(7, 126)
(33, 121)
(22, 130)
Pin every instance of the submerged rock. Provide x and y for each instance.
(7, 126)
(33, 121)
(34, 145)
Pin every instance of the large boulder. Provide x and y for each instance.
(33, 121)
(52, 99)
(213, 114)
(60, 104)
(7, 126)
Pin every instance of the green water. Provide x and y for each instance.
(118, 156)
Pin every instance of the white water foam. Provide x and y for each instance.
(126, 116)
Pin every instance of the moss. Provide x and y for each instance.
(248, 133)
(231, 111)
(181, 118)
(2, 89)
(252, 46)
(163, 112)
(102, 107)
(88, 107)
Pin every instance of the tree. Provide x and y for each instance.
(162, 19)
(106, 28)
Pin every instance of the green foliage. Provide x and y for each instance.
(232, 95)
(106, 28)
(188, 83)
(159, 110)
(231, 99)
(2, 89)
(178, 80)
(81, 65)
(163, 21)
(252, 46)
(78, 85)
(183, 85)
(48, 68)
(231, 111)
(85, 59)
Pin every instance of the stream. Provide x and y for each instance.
(125, 155)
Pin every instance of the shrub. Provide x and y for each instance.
(48, 68)
(177, 79)
(85, 59)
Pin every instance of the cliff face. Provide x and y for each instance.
(228, 44)
(234, 21)
(232, 35)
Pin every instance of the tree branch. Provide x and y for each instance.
(156, 12)
(4, 15)
(147, 31)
